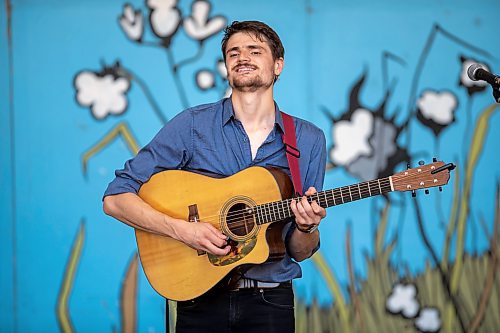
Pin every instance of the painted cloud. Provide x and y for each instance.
(365, 141)
(104, 94)
(436, 110)
(351, 137)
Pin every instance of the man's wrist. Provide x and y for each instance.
(306, 231)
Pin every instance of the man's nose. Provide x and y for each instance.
(243, 56)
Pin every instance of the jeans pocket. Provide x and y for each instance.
(278, 297)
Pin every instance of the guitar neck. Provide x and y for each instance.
(280, 210)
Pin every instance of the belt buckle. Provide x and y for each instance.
(266, 285)
(244, 283)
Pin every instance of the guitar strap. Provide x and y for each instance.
(292, 153)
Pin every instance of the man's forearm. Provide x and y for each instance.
(301, 245)
(130, 209)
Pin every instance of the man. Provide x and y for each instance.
(223, 138)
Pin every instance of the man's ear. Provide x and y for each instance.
(278, 66)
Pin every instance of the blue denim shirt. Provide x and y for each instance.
(209, 139)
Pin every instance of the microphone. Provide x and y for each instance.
(476, 72)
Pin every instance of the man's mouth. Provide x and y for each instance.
(244, 69)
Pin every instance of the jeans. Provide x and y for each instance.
(244, 310)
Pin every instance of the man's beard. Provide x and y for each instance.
(249, 84)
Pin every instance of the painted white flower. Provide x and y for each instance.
(351, 138)
(132, 22)
(428, 320)
(198, 25)
(402, 300)
(165, 17)
(205, 79)
(438, 106)
(104, 95)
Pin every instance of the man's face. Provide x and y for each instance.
(249, 63)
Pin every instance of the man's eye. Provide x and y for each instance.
(255, 52)
(232, 55)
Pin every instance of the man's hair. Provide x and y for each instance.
(261, 30)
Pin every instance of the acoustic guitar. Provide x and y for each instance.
(251, 207)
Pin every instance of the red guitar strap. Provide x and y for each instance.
(292, 153)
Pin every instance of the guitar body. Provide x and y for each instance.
(179, 272)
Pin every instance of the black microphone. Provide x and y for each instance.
(476, 72)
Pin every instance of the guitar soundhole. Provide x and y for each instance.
(240, 219)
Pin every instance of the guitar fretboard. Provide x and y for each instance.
(280, 210)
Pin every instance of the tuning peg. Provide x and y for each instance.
(440, 189)
(426, 191)
(413, 194)
(434, 159)
(421, 162)
(408, 166)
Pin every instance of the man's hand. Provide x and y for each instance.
(202, 236)
(307, 216)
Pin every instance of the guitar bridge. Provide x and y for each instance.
(194, 217)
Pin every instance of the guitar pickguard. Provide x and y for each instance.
(238, 251)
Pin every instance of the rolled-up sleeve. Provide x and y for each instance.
(170, 149)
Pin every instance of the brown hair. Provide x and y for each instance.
(261, 30)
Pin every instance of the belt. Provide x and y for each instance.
(244, 283)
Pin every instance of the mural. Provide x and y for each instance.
(387, 83)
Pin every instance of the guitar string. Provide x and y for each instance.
(239, 214)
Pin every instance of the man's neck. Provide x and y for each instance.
(254, 109)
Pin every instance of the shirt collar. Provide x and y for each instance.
(228, 113)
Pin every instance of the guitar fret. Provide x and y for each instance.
(317, 199)
(280, 210)
(386, 183)
(355, 196)
(370, 188)
(264, 215)
(338, 190)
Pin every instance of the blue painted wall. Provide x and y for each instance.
(58, 153)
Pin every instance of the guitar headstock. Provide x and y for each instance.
(424, 176)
